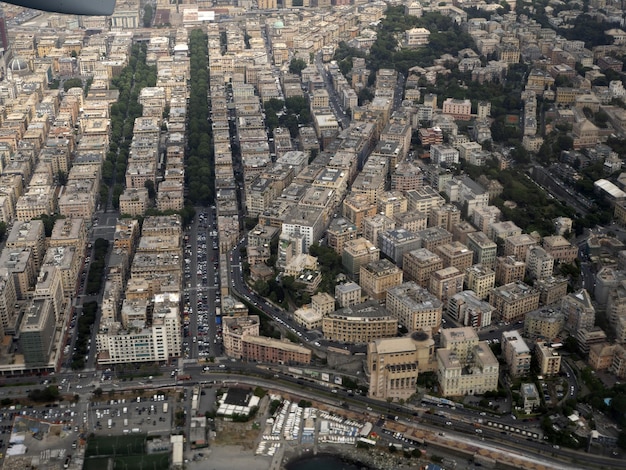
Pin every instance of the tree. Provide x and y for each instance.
(148, 14)
(149, 185)
(296, 66)
(72, 83)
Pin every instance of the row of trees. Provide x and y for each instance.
(199, 172)
(134, 77)
(85, 323)
(97, 266)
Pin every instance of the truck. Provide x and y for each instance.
(184, 377)
(110, 423)
(125, 422)
(165, 407)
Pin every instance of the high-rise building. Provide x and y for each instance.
(414, 307)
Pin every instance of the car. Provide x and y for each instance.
(448, 423)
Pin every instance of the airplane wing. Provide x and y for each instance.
(70, 7)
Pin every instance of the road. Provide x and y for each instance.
(463, 421)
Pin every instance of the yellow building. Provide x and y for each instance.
(359, 323)
(548, 358)
(393, 365)
(378, 276)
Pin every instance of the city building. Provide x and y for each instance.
(560, 249)
(516, 353)
(414, 307)
(551, 289)
(530, 397)
(273, 351)
(446, 282)
(378, 276)
(579, 311)
(546, 323)
(518, 245)
(31, 235)
(539, 264)
(456, 255)
(347, 294)
(509, 269)
(548, 359)
(233, 331)
(356, 254)
(459, 109)
(513, 301)
(469, 310)
(36, 336)
(480, 279)
(393, 365)
(484, 249)
(340, 232)
(471, 373)
(432, 237)
(395, 243)
(419, 265)
(359, 323)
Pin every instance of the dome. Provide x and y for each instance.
(419, 335)
(18, 64)
(279, 24)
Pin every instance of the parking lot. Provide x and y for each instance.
(49, 433)
(150, 415)
(201, 328)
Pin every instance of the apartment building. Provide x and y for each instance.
(375, 225)
(483, 248)
(378, 276)
(459, 109)
(233, 331)
(356, 254)
(560, 249)
(445, 283)
(469, 310)
(579, 311)
(513, 301)
(359, 323)
(29, 234)
(347, 294)
(518, 245)
(480, 279)
(545, 323)
(516, 353)
(411, 221)
(340, 232)
(433, 237)
(424, 199)
(467, 376)
(548, 359)
(539, 264)
(34, 333)
(419, 265)
(455, 255)
(414, 307)
(446, 216)
(273, 351)
(551, 289)
(509, 269)
(395, 243)
(357, 207)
